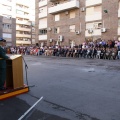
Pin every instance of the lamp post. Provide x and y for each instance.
(31, 32)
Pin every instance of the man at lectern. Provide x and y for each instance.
(3, 58)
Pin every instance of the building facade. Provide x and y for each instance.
(16, 22)
(71, 22)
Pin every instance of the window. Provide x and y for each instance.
(7, 26)
(43, 31)
(90, 11)
(97, 25)
(43, 23)
(56, 30)
(5, 35)
(57, 17)
(72, 14)
(72, 28)
(43, 9)
(93, 10)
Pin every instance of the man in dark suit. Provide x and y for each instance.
(3, 58)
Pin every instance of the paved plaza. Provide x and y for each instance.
(72, 89)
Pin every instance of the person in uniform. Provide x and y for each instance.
(3, 58)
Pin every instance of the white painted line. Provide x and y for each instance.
(30, 109)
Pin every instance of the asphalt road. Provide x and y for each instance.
(72, 89)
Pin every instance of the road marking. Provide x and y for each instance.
(30, 109)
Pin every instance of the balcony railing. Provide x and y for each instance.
(7, 30)
(42, 37)
(96, 32)
(23, 16)
(7, 20)
(93, 2)
(6, 2)
(23, 29)
(23, 9)
(26, 2)
(23, 35)
(64, 6)
(22, 42)
(8, 12)
(23, 22)
(41, 15)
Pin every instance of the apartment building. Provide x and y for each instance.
(16, 22)
(71, 22)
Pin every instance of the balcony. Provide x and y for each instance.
(23, 22)
(6, 2)
(93, 2)
(41, 15)
(22, 16)
(23, 35)
(7, 20)
(64, 6)
(94, 17)
(22, 42)
(7, 30)
(23, 9)
(23, 2)
(23, 29)
(42, 3)
(42, 37)
(96, 32)
(7, 12)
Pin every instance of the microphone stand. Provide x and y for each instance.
(26, 67)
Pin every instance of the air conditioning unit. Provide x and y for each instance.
(51, 40)
(90, 31)
(60, 38)
(49, 29)
(77, 32)
(103, 30)
(82, 9)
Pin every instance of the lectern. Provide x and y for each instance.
(14, 78)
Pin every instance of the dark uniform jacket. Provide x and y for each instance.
(4, 57)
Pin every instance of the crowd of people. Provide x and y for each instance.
(98, 49)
